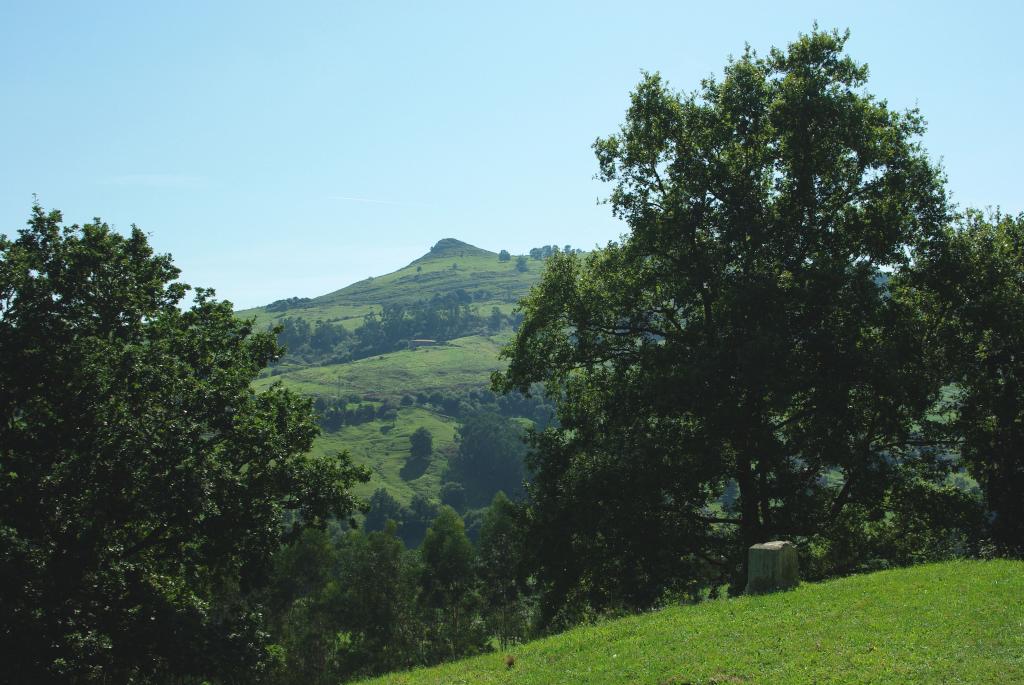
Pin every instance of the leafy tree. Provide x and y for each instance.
(143, 483)
(504, 256)
(742, 333)
(301, 568)
(502, 571)
(349, 608)
(454, 495)
(383, 508)
(300, 622)
(421, 443)
(417, 519)
(521, 264)
(326, 336)
(375, 603)
(496, 319)
(490, 458)
(970, 281)
(449, 588)
(387, 412)
(294, 334)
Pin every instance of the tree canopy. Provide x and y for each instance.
(489, 459)
(971, 283)
(143, 484)
(748, 333)
(421, 443)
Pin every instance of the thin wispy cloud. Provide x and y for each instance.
(155, 180)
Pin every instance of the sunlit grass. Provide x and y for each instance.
(958, 622)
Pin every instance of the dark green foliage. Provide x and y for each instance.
(356, 615)
(490, 458)
(971, 284)
(441, 318)
(299, 618)
(502, 572)
(377, 600)
(421, 444)
(413, 526)
(742, 333)
(495, 321)
(383, 508)
(521, 264)
(450, 596)
(288, 303)
(323, 339)
(474, 521)
(918, 520)
(335, 413)
(143, 484)
(362, 604)
(546, 251)
(504, 256)
(454, 495)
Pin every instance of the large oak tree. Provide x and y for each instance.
(143, 484)
(741, 366)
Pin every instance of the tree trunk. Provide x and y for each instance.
(750, 522)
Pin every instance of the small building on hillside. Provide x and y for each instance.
(413, 344)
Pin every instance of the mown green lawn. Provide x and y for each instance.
(958, 622)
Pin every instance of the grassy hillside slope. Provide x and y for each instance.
(492, 282)
(454, 366)
(958, 622)
(463, 363)
(386, 454)
(458, 364)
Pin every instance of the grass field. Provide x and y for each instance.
(385, 453)
(958, 622)
(465, 363)
(462, 363)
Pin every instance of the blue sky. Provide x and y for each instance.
(283, 149)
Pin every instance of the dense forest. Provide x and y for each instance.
(799, 338)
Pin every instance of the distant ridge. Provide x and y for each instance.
(450, 265)
(453, 248)
(452, 271)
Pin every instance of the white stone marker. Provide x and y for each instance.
(772, 566)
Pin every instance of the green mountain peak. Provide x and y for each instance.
(451, 248)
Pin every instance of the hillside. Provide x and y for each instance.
(957, 622)
(451, 367)
(479, 272)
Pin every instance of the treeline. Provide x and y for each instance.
(288, 303)
(491, 458)
(352, 411)
(357, 604)
(545, 251)
(336, 412)
(443, 317)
